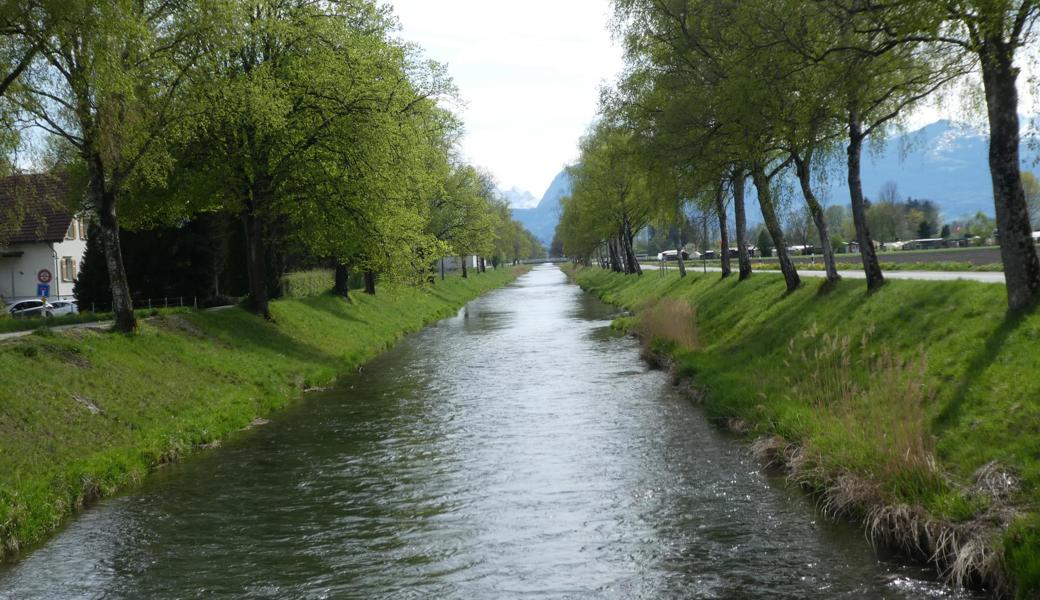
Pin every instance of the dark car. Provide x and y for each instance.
(31, 308)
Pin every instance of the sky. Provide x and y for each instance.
(528, 73)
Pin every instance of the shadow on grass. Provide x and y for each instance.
(337, 307)
(260, 335)
(978, 365)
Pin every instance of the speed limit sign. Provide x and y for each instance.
(44, 276)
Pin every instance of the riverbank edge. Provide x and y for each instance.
(969, 553)
(230, 352)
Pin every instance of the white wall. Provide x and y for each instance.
(18, 275)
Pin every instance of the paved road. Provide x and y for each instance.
(90, 325)
(93, 325)
(980, 276)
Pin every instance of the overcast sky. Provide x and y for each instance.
(529, 73)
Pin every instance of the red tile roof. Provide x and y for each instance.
(35, 208)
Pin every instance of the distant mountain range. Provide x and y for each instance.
(946, 162)
(542, 219)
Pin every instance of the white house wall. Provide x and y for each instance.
(18, 275)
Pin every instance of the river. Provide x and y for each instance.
(518, 449)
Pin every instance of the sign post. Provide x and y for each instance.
(43, 289)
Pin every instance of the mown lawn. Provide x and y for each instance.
(913, 388)
(83, 413)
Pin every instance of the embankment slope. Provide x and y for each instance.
(915, 409)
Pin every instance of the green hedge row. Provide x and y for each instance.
(304, 284)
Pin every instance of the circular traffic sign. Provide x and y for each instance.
(44, 276)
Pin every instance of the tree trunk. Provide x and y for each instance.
(627, 238)
(442, 268)
(802, 168)
(256, 265)
(720, 208)
(615, 260)
(370, 283)
(465, 270)
(108, 222)
(743, 258)
(871, 266)
(342, 288)
(483, 265)
(679, 250)
(1017, 250)
(765, 200)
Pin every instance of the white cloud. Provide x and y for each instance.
(528, 72)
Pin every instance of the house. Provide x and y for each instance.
(853, 246)
(924, 244)
(42, 244)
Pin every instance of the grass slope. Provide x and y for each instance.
(84, 413)
(954, 385)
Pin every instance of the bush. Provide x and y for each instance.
(307, 283)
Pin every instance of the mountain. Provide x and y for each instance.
(518, 198)
(541, 220)
(945, 161)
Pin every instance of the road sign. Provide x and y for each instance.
(44, 276)
(43, 290)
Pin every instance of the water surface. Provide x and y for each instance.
(518, 450)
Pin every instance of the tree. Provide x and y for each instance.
(110, 80)
(302, 82)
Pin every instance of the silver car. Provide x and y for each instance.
(32, 308)
(64, 307)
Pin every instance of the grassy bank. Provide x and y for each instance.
(84, 413)
(947, 266)
(915, 410)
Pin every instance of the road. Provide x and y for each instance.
(979, 276)
(93, 325)
(90, 325)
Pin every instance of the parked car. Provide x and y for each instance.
(31, 308)
(672, 255)
(64, 307)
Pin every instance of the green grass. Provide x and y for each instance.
(84, 413)
(885, 266)
(757, 265)
(944, 354)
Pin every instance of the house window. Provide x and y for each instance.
(68, 269)
(83, 225)
(71, 233)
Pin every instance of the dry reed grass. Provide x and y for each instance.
(870, 404)
(672, 321)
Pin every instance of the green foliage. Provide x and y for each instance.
(307, 283)
(105, 409)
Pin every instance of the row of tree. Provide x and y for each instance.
(720, 92)
(310, 123)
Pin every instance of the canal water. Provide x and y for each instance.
(518, 450)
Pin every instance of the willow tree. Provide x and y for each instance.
(609, 177)
(991, 34)
(111, 79)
